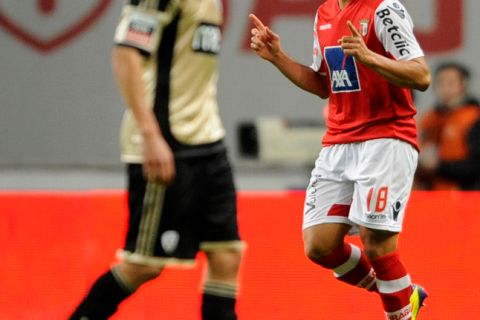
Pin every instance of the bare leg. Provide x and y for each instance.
(220, 287)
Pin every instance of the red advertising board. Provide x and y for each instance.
(53, 246)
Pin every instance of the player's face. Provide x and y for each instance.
(449, 86)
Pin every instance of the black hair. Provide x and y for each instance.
(463, 70)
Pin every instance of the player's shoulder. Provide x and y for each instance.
(394, 5)
(327, 8)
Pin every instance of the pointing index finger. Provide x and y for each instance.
(257, 22)
(354, 30)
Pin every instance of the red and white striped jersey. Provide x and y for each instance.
(363, 105)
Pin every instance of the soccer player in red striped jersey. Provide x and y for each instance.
(366, 61)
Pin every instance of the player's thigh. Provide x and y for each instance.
(326, 210)
(136, 194)
(383, 184)
(218, 221)
(162, 226)
(328, 195)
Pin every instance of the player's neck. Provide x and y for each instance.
(343, 3)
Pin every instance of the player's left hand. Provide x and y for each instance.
(355, 46)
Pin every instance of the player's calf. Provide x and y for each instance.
(350, 265)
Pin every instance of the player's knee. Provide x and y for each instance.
(233, 262)
(375, 251)
(150, 274)
(317, 251)
(371, 253)
(224, 265)
(378, 243)
(136, 274)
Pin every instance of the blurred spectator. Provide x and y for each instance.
(450, 134)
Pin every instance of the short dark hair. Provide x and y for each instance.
(463, 70)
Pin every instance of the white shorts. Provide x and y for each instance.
(366, 184)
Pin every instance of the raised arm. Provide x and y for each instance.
(266, 45)
(413, 73)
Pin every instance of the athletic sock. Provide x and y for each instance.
(103, 298)
(219, 301)
(394, 286)
(350, 265)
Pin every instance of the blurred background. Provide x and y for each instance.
(61, 181)
(60, 108)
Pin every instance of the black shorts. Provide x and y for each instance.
(169, 225)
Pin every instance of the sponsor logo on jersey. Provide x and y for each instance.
(325, 27)
(139, 32)
(343, 70)
(393, 31)
(169, 241)
(207, 39)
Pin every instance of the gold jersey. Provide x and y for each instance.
(180, 41)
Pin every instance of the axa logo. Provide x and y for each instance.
(343, 70)
(340, 79)
(46, 25)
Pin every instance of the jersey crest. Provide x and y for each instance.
(343, 70)
(364, 27)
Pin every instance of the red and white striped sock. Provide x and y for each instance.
(350, 265)
(394, 286)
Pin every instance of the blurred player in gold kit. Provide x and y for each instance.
(181, 192)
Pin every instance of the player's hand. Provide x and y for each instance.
(159, 163)
(355, 46)
(264, 41)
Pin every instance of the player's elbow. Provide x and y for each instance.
(422, 78)
(323, 94)
(321, 89)
(423, 82)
